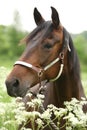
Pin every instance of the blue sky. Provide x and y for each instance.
(73, 13)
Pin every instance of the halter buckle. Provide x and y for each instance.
(40, 73)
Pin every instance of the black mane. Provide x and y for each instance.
(46, 26)
(73, 61)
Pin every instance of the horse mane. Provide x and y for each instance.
(73, 61)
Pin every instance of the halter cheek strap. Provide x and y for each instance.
(59, 74)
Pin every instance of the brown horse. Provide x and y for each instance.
(49, 55)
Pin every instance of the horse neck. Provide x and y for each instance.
(69, 84)
(67, 87)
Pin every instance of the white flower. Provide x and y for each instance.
(3, 128)
(18, 99)
(46, 115)
(26, 128)
(29, 95)
(30, 104)
(68, 127)
(39, 122)
(40, 96)
(2, 111)
(37, 102)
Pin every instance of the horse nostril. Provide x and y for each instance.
(15, 83)
(12, 86)
(12, 83)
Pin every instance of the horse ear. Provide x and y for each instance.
(37, 17)
(55, 17)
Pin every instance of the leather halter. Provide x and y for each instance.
(40, 71)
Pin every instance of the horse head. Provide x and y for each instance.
(46, 50)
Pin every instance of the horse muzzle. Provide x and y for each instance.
(15, 88)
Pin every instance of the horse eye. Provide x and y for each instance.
(48, 46)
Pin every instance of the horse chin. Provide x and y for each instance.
(12, 94)
(18, 92)
(30, 89)
(34, 89)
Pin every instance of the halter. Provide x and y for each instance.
(40, 71)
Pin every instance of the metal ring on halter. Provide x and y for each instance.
(40, 73)
(61, 55)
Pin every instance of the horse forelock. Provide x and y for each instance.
(45, 27)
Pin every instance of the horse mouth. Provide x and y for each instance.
(16, 93)
(22, 92)
(34, 89)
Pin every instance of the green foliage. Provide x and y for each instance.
(81, 45)
(80, 42)
(9, 40)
